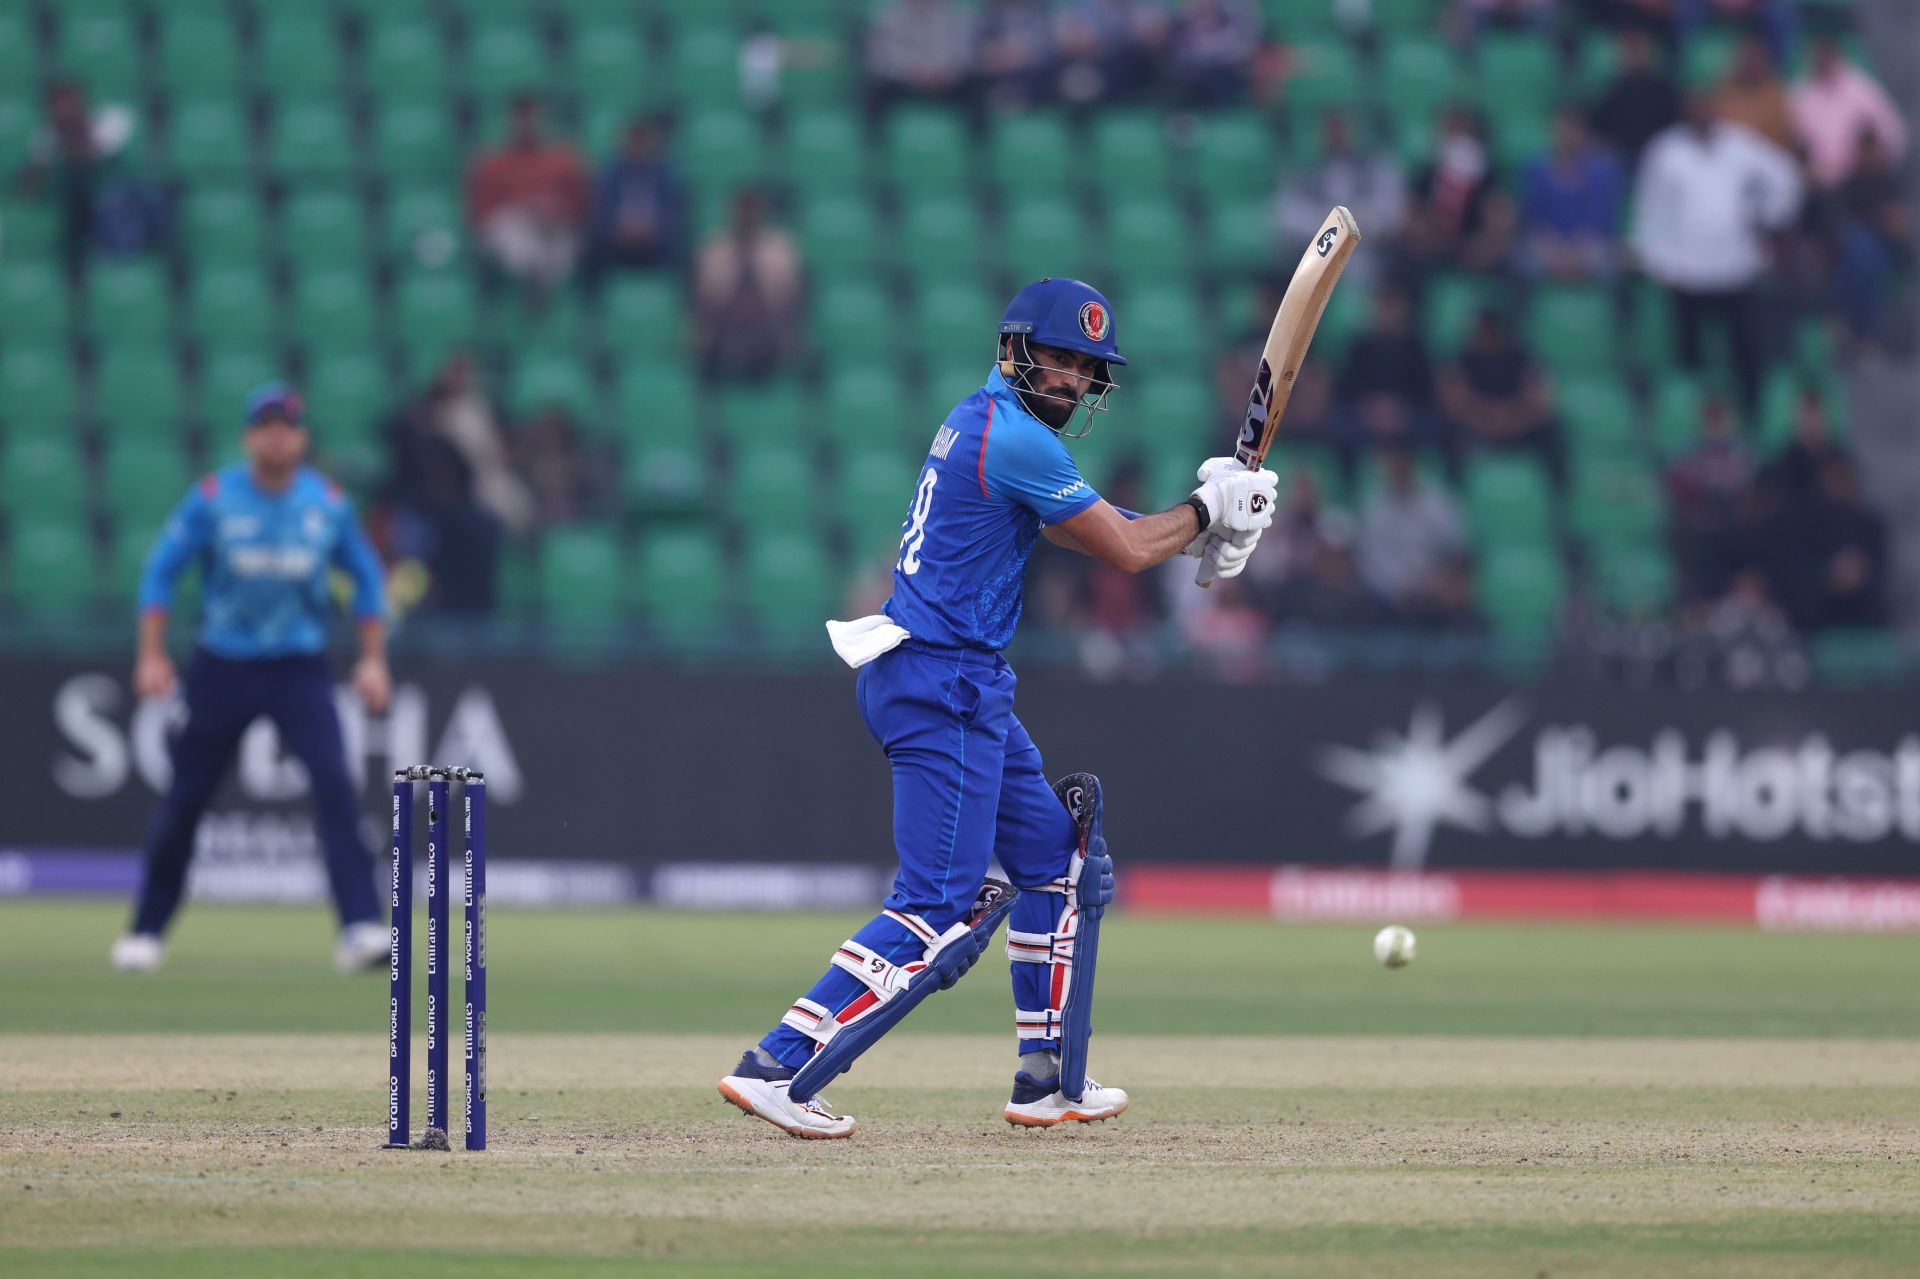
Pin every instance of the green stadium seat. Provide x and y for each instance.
(1164, 324)
(51, 569)
(951, 381)
(606, 119)
(1451, 304)
(505, 56)
(33, 298)
(580, 575)
(1147, 236)
(1176, 408)
(1519, 138)
(643, 313)
(142, 478)
(137, 390)
(826, 151)
(222, 224)
(36, 385)
(128, 301)
(1045, 236)
(1520, 589)
(765, 417)
(682, 579)
(412, 138)
(839, 234)
(1128, 150)
(323, 227)
(1599, 416)
(721, 150)
(703, 65)
(19, 118)
(1239, 236)
(1419, 78)
(1779, 411)
(940, 237)
(1508, 498)
(955, 316)
(1652, 338)
(42, 475)
(99, 45)
(127, 563)
(1854, 657)
(852, 315)
(1596, 61)
(347, 394)
(1678, 402)
(1707, 57)
(1615, 500)
(1325, 76)
(927, 150)
(665, 475)
(1301, 19)
(773, 474)
(608, 53)
(207, 138)
(227, 373)
(1016, 145)
(544, 381)
(331, 308)
(19, 58)
(1234, 154)
(424, 227)
(862, 408)
(1516, 72)
(1404, 17)
(559, 325)
(436, 312)
(789, 586)
(296, 54)
(404, 52)
(1634, 579)
(1572, 330)
(310, 139)
(199, 50)
(657, 403)
(873, 494)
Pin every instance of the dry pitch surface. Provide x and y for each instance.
(255, 1153)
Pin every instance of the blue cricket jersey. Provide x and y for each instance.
(264, 560)
(996, 474)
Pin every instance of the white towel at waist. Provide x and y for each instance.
(865, 638)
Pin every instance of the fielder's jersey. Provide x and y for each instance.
(264, 560)
(996, 474)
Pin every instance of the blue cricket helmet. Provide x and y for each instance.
(1064, 313)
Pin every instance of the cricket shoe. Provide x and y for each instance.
(761, 1091)
(1039, 1103)
(136, 952)
(363, 947)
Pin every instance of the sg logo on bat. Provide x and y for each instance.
(1324, 245)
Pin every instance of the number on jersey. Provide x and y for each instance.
(916, 535)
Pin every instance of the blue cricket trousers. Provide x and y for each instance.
(223, 697)
(967, 788)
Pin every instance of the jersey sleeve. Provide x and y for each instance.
(1033, 468)
(355, 554)
(188, 532)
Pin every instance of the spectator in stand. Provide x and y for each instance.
(919, 49)
(1570, 206)
(1294, 579)
(1708, 490)
(1386, 381)
(1111, 49)
(1212, 50)
(567, 481)
(1849, 543)
(1458, 217)
(1706, 199)
(436, 520)
(455, 411)
(527, 200)
(1413, 548)
(1873, 238)
(746, 295)
(1310, 417)
(1369, 182)
(1017, 61)
(80, 156)
(1494, 395)
(1754, 95)
(1772, 19)
(1794, 473)
(1748, 638)
(640, 204)
(1639, 103)
(1837, 108)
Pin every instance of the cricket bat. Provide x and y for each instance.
(1287, 341)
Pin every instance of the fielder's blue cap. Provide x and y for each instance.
(1064, 313)
(275, 401)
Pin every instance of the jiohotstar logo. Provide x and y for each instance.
(1416, 783)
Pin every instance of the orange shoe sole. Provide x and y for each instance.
(1072, 1116)
(806, 1134)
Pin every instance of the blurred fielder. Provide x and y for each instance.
(265, 533)
(967, 781)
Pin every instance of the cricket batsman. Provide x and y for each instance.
(968, 788)
(264, 532)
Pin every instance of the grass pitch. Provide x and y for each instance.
(1521, 1101)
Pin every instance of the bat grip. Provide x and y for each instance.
(1204, 577)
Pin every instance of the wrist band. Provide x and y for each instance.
(1200, 509)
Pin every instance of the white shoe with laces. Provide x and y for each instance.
(137, 952)
(761, 1091)
(1039, 1103)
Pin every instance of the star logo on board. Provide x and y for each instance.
(1414, 783)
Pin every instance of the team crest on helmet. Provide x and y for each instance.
(1094, 321)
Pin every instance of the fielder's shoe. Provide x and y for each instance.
(1039, 1103)
(136, 952)
(762, 1091)
(363, 947)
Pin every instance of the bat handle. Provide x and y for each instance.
(1204, 577)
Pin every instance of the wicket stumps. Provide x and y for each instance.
(473, 788)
